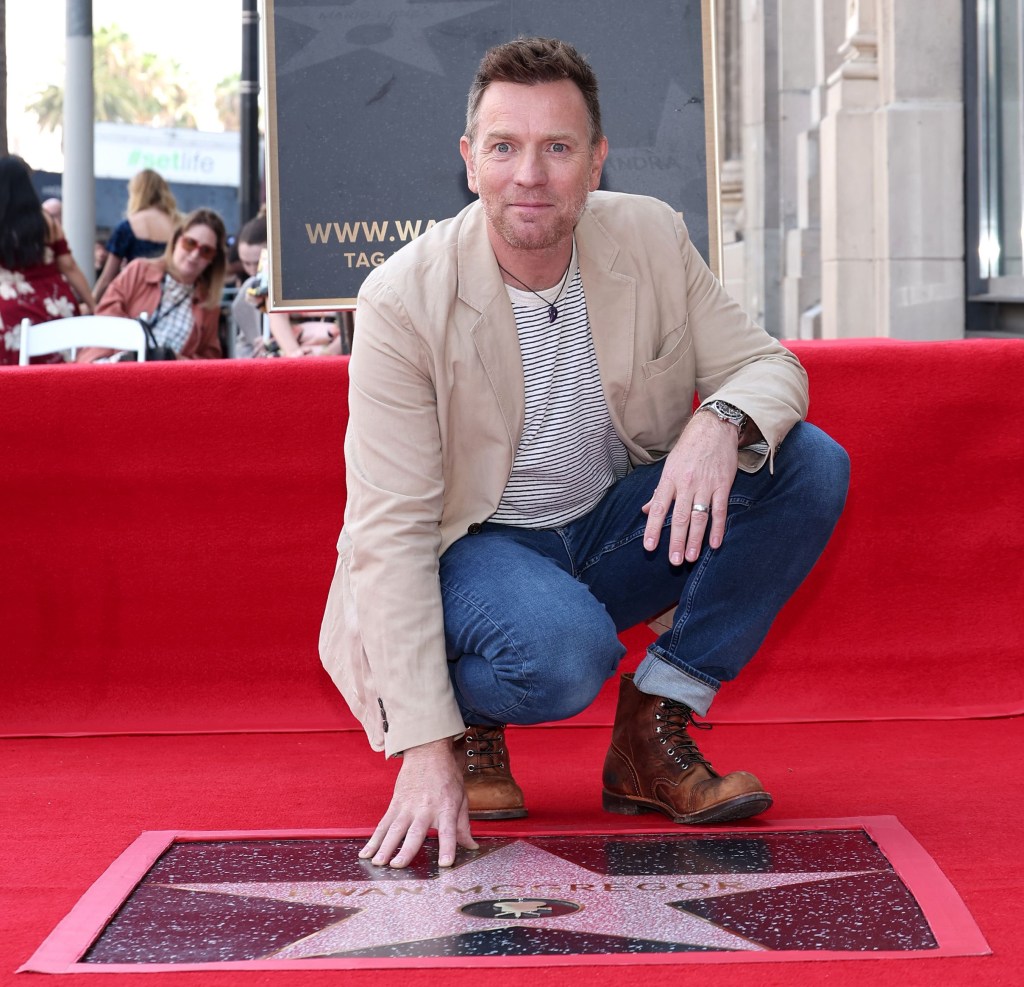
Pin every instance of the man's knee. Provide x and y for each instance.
(822, 470)
(578, 670)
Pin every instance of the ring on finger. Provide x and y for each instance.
(701, 509)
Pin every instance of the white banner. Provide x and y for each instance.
(195, 157)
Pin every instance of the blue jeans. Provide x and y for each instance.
(532, 616)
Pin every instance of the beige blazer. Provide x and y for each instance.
(436, 411)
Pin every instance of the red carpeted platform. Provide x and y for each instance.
(168, 541)
(72, 806)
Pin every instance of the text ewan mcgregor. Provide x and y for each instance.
(690, 887)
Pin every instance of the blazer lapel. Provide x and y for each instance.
(611, 308)
(494, 331)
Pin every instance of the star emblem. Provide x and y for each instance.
(515, 885)
(393, 28)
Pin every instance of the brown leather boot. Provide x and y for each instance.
(492, 791)
(653, 765)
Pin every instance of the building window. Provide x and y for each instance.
(995, 126)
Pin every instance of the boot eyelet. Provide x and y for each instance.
(470, 753)
(471, 767)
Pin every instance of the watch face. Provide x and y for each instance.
(728, 413)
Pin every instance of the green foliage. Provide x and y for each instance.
(227, 99)
(129, 87)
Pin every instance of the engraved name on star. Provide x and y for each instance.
(629, 906)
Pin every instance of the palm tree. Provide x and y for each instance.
(227, 99)
(130, 87)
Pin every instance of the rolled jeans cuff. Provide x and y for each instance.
(658, 676)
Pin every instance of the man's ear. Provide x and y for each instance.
(600, 153)
(466, 150)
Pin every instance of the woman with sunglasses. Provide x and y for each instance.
(180, 292)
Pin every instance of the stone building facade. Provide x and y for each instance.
(868, 150)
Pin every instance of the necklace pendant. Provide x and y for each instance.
(552, 313)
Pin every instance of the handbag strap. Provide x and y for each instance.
(149, 324)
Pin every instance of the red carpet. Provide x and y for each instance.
(90, 798)
(167, 546)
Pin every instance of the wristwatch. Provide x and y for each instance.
(727, 413)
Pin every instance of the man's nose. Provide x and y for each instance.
(530, 170)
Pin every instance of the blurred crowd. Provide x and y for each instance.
(199, 292)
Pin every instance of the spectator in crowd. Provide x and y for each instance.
(39, 279)
(305, 333)
(150, 219)
(100, 253)
(179, 293)
(293, 334)
(55, 208)
(249, 304)
(252, 241)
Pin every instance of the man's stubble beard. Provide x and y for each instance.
(518, 236)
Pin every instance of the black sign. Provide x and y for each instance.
(367, 101)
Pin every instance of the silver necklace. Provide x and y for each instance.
(552, 309)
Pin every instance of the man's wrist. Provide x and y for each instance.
(431, 749)
(728, 413)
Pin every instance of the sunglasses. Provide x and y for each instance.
(205, 250)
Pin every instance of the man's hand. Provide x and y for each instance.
(428, 794)
(699, 470)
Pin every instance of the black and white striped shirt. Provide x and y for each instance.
(569, 453)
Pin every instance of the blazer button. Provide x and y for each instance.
(474, 528)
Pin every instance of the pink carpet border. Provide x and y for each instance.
(951, 923)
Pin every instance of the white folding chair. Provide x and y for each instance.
(108, 331)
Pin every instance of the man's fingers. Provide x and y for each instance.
(414, 837)
(656, 510)
(462, 832)
(374, 842)
(699, 519)
(389, 845)
(719, 515)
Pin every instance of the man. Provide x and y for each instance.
(520, 438)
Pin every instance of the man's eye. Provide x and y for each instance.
(558, 148)
(503, 147)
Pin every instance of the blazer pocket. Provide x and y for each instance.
(668, 360)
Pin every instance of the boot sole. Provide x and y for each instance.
(741, 807)
(497, 813)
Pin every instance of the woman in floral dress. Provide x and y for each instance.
(39, 278)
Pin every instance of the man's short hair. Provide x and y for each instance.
(529, 61)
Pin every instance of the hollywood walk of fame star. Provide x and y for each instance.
(394, 28)
(635, 906)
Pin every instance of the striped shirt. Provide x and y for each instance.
(569, 453)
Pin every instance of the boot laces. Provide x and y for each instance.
(484, 750)
(674, 718)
